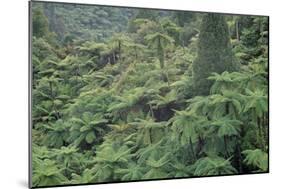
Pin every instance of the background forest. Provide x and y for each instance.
(123, 94)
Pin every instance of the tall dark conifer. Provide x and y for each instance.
(214, 52)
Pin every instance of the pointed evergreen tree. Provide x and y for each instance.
(214, 52)
(40, 24)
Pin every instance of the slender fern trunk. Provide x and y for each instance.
(192, 149)
(150, 135)
(239, 158)
(136, 53)
(265, 127)
(261, 134)
(151, 111)
(119, 50)
(114, 57)
(161, 56)
(200, 145)
(53, 100)
(237, 30)
(227, 107)
(225, 146)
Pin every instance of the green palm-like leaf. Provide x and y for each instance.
(158, 39)
(132, 172)
(180, 170)
(160, 162)
(149, 130)
(188, 126)
(222, 81)
(85, 178)
(199, 105)
(257, 158)
(111, 155)
(227, 127)
(220, 102)
(87, 128)
(257, 101)
(229, 81)
(46, 173)
(213, 166)
(127, 101)
(57, 133)
(161, 101)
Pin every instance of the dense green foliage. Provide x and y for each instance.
(125, 94)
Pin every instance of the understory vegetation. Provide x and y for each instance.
(125, 94)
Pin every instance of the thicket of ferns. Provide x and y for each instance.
(125, 109)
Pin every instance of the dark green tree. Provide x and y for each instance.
(183, 17)
(214, 52)
(40, 25)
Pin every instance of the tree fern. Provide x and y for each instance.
(46, 173)
(85, 178)
(87, 129)
(149, 130)
(226, 127)
(161, 101)
(57, 134)
(213, 166)
(159, 41)
(256, 158)
(256, 101)
(132, 172)
(188, 126)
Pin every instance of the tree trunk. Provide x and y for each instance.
(114, 57)
(265, 127)
(261, 136)
(151, 111)
(192, 149)
(225, 146)
(200, 145)
(136, 53)
(239, 156)
(237, 30)
(53, 101)
(150, 135)
(119, 49)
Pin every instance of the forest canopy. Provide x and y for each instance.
(126, 94)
